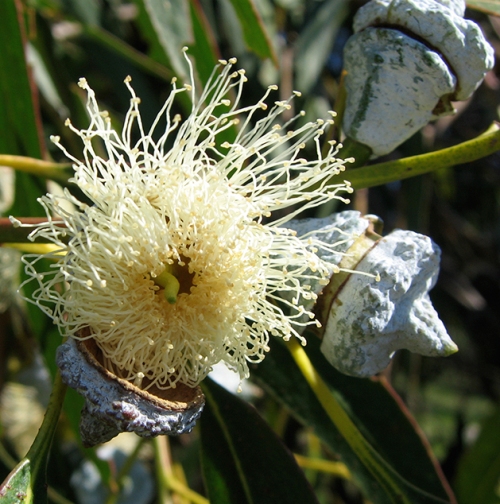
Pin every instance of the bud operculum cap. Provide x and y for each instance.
(405, 63)
(370, 319)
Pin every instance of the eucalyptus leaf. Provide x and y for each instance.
(28, 481)
(478, 472)
(138, 59)
(254, 32)
(172, 24)
(315, 42)
(386, 423)
(87, 11)
(16, 489)
(19, 119)
(377, 412)
(243, 461)
(205, 50)
(20, 124)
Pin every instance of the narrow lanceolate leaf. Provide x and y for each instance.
(384, 464)
(391, 463)
(20, 124)
(479, 470)
(315, 41)
(205, 53)
(172, 24)
(254, 31)
(204, 50)
(141, 61)
(19, 119)
(243, 460)
(27, 482)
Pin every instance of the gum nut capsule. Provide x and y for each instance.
(395, 85)
(113, 405)
(426, 56)
(368, 319)
(441, 26)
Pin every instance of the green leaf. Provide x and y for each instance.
(87, 11)
(204, 50)
(315, 42)
(241, 454)
(487, 6)
(279, 375)
(376, 412)
(19, 120)
(393, 434)
(205, 53)
(171, 22)
(117, 45)
(254, 32)
(478, 475)
(28, 482)
(16, 489)
(148, 32)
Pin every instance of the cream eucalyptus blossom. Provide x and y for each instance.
(182, 258)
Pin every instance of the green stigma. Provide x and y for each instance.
(170, 284)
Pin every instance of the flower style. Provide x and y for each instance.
(179, 262)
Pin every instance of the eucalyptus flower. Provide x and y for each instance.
(182, 257)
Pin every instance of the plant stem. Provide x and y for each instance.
(167, 480)
(327, 466)
(124, 471)
(161, 466)
(61, 172)
(366, 453)
(383, 173)
(11, 233)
